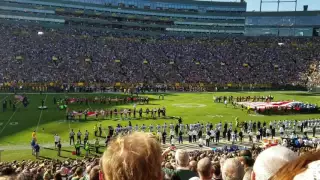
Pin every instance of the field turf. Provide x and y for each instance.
(16, 126)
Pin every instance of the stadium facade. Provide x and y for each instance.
(161, 17)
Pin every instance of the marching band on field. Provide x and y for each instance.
(211, 132)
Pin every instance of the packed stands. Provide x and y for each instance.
(35, 54)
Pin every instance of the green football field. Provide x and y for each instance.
(16, 126)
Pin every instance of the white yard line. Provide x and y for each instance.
(9, 119)
(41, 114)
(69, 119)
(69, 125)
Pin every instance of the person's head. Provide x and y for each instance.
(133, 157)
(245, 153)
(204, 168)
(193, 166)
(222, 161)
(94, 173)
(57, 176)
(182, 158)
(232, 169)
(299, 169)
(79, 172)
(47, 175)
(25, 176)
(270, 161)
(246, 161)
(216, 170)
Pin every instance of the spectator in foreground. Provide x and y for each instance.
(57, 176)
(205, 170)
(25, 176)
(78, 174)
(94, 173)
(193, 166)
(133, 157)
(216, 172)
(270, 161)
(182, 162)
(247, 163)
(232, 169)
(305, 167)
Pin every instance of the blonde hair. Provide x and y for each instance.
(271, 160)
(292, 169)
(182, 158)
(232, 169)
(133, 157)
(205, 168)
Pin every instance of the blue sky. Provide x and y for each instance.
(254, 5)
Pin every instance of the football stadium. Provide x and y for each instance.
(159, 89)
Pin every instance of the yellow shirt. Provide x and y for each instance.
(33, 134)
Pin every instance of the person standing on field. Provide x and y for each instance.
(59, 148)
(56, 140)
(96, 145)
(79, 134)
(86, 137)
(37, 150)
(71, 136)
(100, 130)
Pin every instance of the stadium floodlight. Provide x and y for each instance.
(40, 33)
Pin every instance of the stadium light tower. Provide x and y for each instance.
(278, 3)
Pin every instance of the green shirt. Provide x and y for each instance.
(184, 174)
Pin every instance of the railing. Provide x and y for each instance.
(119, 87)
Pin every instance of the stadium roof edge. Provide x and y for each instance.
(283, 13)
(127, 11)
(204, 2)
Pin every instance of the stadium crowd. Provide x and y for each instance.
(138, 156)
(76, 55)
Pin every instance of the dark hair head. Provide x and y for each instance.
(245, 153)
(79, 171)
(94, 173)
(57, 176)
(216, 169)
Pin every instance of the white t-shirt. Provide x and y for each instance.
(56, 138)
(281, 130)
(212, 133)
(194, 132)
(207, 136)
(172, 133)
(79, 134)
